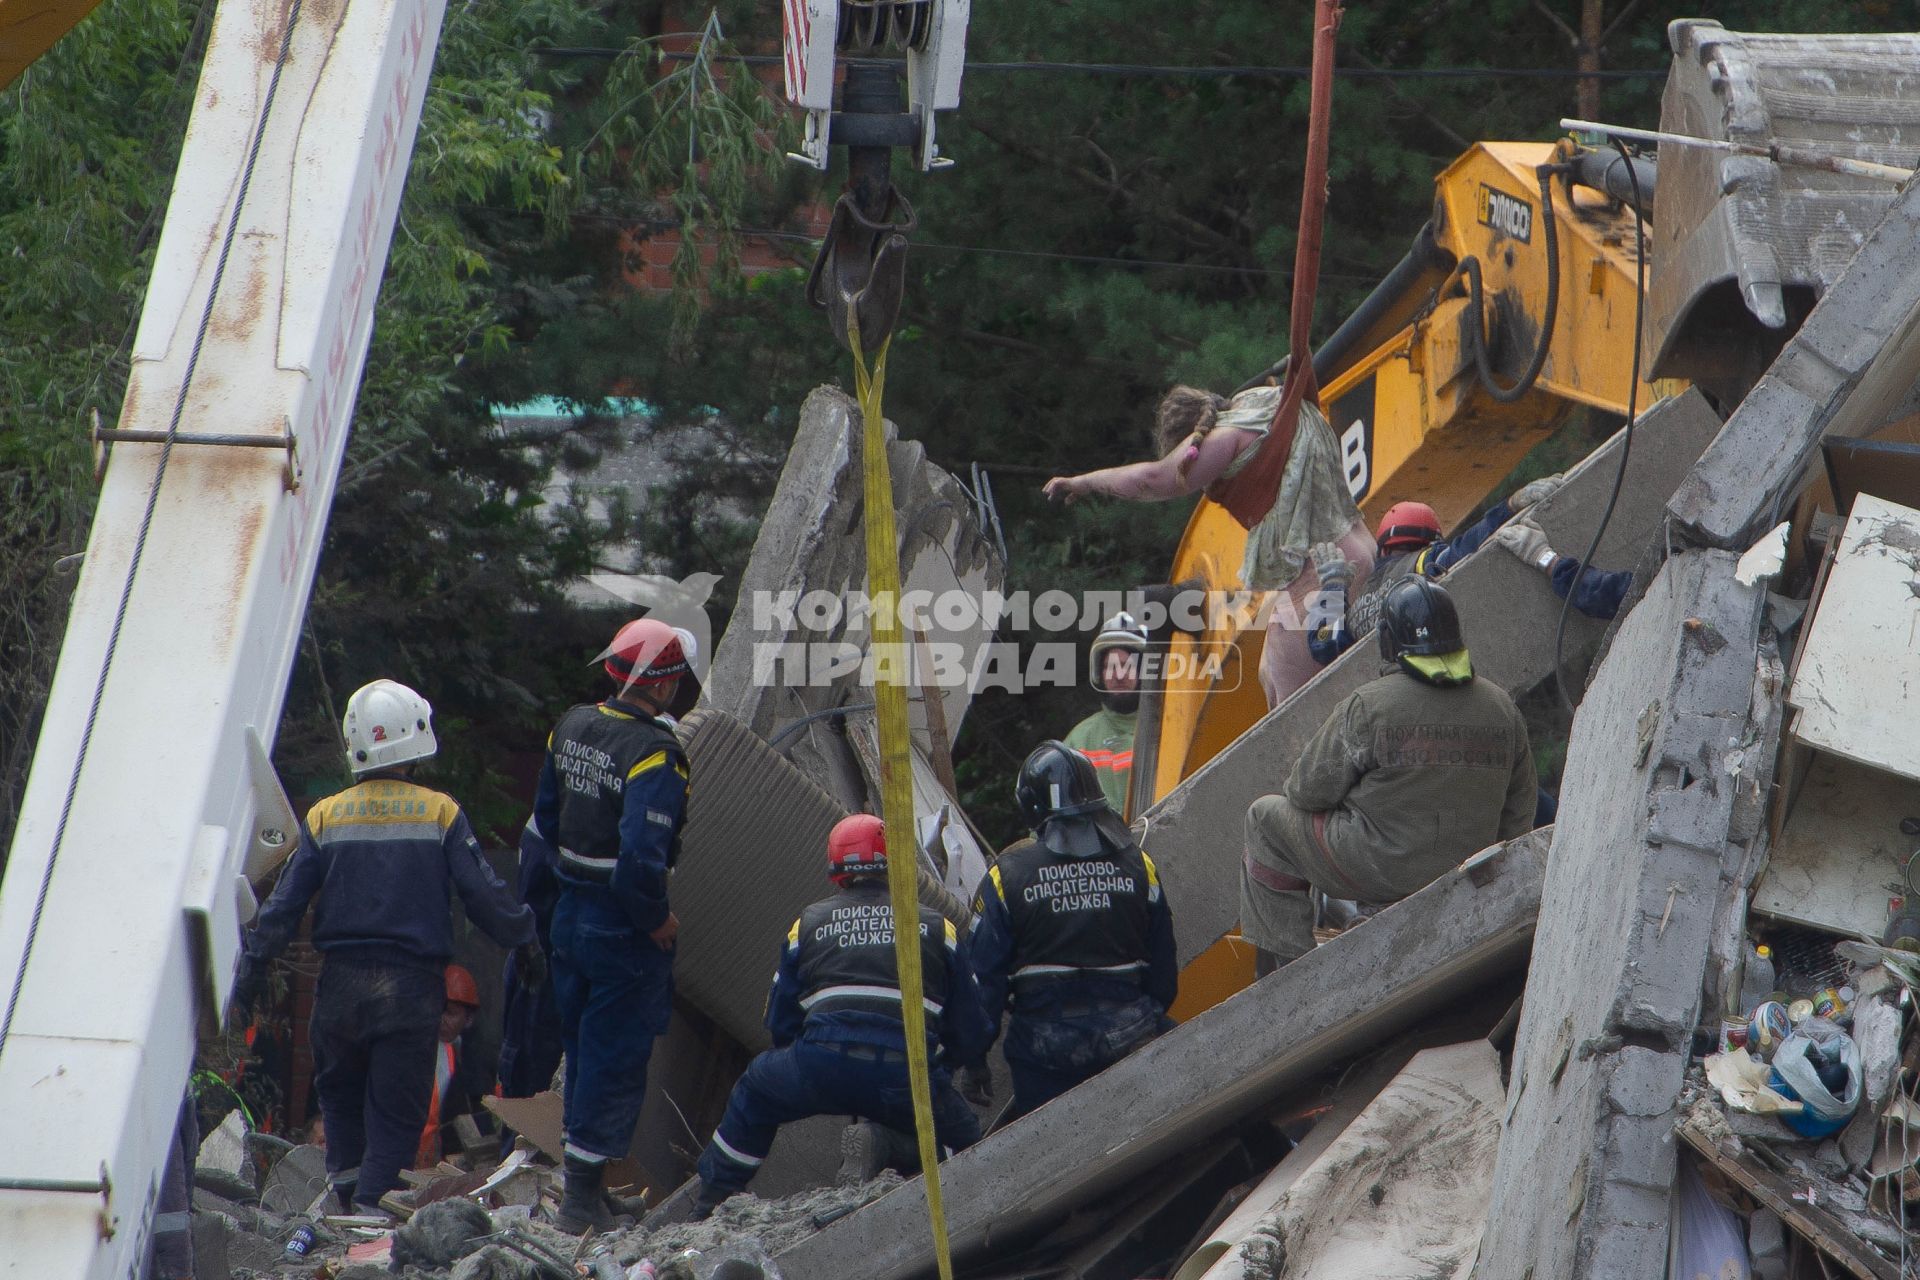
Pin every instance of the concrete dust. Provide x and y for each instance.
(1400, 1193)
(748, 1221)
(441, 1234)
(459, 1240)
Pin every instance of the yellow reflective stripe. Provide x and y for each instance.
(793, 935)
(953, 934)
(1000, 890)
(1153, 872)
(653, 761)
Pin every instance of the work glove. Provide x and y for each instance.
(1525, 541)
(530, 966)
(1534, 491)
(1330, 562)
(975, 1085)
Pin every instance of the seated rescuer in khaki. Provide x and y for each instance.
(1410, 775)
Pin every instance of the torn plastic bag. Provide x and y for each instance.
(1710, 1240)
(1820, 1065)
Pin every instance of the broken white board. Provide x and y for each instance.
(1402, 1194)
(1840, 856)
(1857, 688)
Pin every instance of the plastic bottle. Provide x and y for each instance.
(1756, 983)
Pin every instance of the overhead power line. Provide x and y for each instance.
(993, 251)
(1153, 71)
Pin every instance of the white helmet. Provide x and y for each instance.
(1123, 631)
(387, 724)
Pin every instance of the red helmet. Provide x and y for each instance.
(461, 988)
(1407, 526)
(646, 651)
(857, 846)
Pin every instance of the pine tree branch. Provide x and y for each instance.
(1573, 37)
(1189, 228)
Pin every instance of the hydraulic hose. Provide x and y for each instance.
(1477, 339)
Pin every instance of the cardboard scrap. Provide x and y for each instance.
(539, 1120)
(1742, 1082)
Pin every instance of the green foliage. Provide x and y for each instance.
(88, 135)
(1100, 237)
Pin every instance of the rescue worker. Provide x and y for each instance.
(463, 1004)
(1409, 542)
(1073, 926)
(1106, 736)
(834, 1014)
(1411, 774)
(1598, 593)
(613, 793)
(383, 859)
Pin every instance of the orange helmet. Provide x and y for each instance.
(646, 651)
(1407, 526)
(461, 988)
(857, 846)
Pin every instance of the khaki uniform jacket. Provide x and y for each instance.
(1409, 772)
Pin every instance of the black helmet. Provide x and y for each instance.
(1059, 795)
(1418, 619)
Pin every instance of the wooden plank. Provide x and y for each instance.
(1824, 1230)
(1857, 683)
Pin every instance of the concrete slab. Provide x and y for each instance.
(1675, 739)
(1509, 612)
(1848, 371)
(812, 541)
(299, 1177)
(1200, 1079)
(1378, 1205)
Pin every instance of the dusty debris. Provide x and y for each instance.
(441, 1234)
(457, 1239)
(771, 1224)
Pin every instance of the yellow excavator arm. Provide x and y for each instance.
(1546, 232)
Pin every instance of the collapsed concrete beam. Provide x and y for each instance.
(1195, 833)
(1670, 756)
(775, 664)
(1469, 926)
(1847, 372)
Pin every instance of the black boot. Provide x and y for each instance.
(343, 1192)
(583, 1207)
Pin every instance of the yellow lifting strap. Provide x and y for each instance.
(891, 672)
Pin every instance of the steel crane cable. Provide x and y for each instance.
(146, 518)
(1476, 333)
(1626, 448)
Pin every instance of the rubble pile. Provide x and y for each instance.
(481, 1224)
(1798, 1128)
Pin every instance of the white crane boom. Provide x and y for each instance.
(121, 910)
